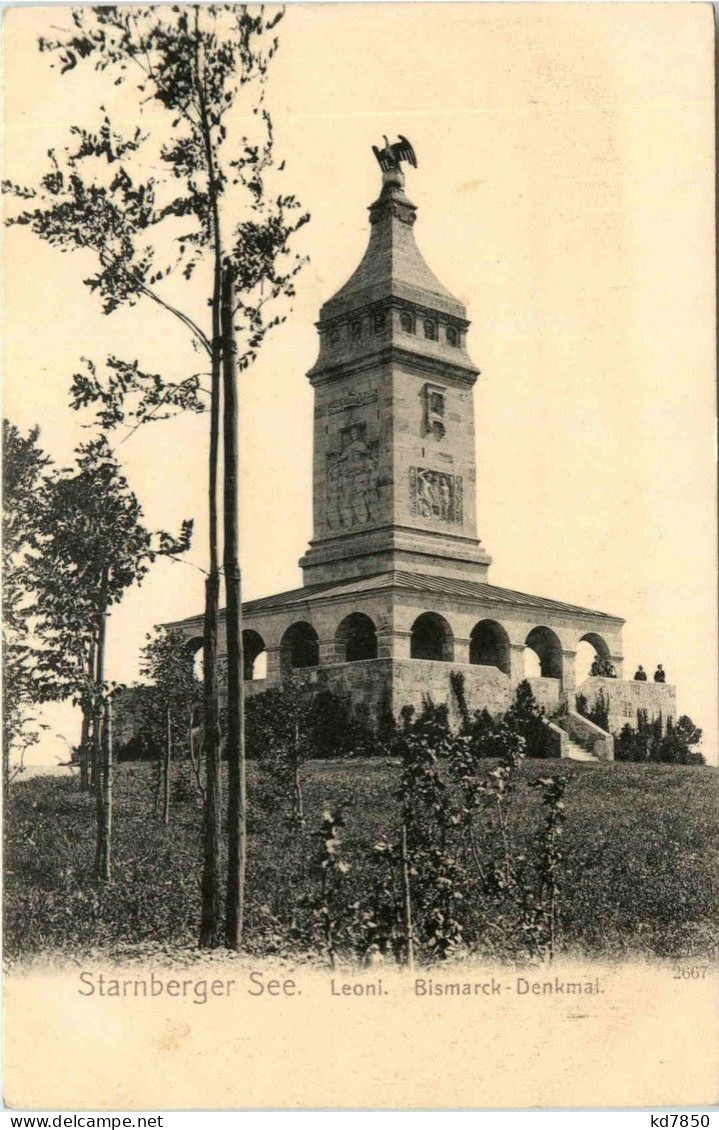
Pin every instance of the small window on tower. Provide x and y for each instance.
(430, 330)
(357, 328)
(452, 336)
(379, 321)
(334, 335)
(434, 410)
(406, 321)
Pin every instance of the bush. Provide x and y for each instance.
(649, 743)
(526, 718)
(599, 713)
(279, 718)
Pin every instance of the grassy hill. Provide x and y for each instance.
(639, 876)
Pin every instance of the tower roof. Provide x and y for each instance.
(392, 265)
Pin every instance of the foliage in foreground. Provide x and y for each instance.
(638, 874)
(650, 741)
(24, 466)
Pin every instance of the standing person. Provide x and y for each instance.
(660, 675)
(640, 675)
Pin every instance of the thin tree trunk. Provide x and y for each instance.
(166, 768)
(91, 751)
(552, 920)
(5, 765)
(236, 785)
(327, 923)
(210, 913)
(105, 860)
(299, 806)
(194, 759)
(85, 734)
(99, 726)
(159, 773)
(298, 801)
(407, 901)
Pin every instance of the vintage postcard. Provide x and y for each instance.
(359, 557)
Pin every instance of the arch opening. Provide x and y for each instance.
(593, 657)
(432, 638)
(299, 647)
(254, 655)
(197, 659)
(356, 638)
(546, 646)
(489, 645)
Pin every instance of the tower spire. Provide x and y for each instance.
(394, 464)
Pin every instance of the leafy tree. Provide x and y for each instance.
(170, 703)
(648, 742)
(428, 729)
(676, 745)
(24, 468)
(330, 729)
(599, 713)
(336, 732)
(205, 69)
(688, 735)
(624, 743)
(457, 683)
(94, 547)
(280, 724)
(526, 718)
(495, 738)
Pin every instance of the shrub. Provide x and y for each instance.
(648, 743)
(599, 713)
(526, 718)
(279, 718)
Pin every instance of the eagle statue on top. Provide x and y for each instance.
(390, 157)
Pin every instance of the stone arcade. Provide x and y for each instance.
(395, 592)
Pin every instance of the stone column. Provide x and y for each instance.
(273, 665)
(516, 663)
(392, 644)
(569, 678)
(327, 650)
(461, 650)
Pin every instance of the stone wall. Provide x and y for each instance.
(365, 685)
(558, 739)
(546, 692)
(374, 687)
(626, 697)
(484, 687)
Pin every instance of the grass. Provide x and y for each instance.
(639, 877)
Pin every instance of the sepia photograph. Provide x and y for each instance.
(359, 556)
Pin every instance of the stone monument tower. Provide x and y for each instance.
(395, 593)
(394, 443)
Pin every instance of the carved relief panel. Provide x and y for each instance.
(352, 479)
(436, 495)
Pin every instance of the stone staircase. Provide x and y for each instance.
(576, 752)
(582, 740)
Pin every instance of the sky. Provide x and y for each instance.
(565, 195)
